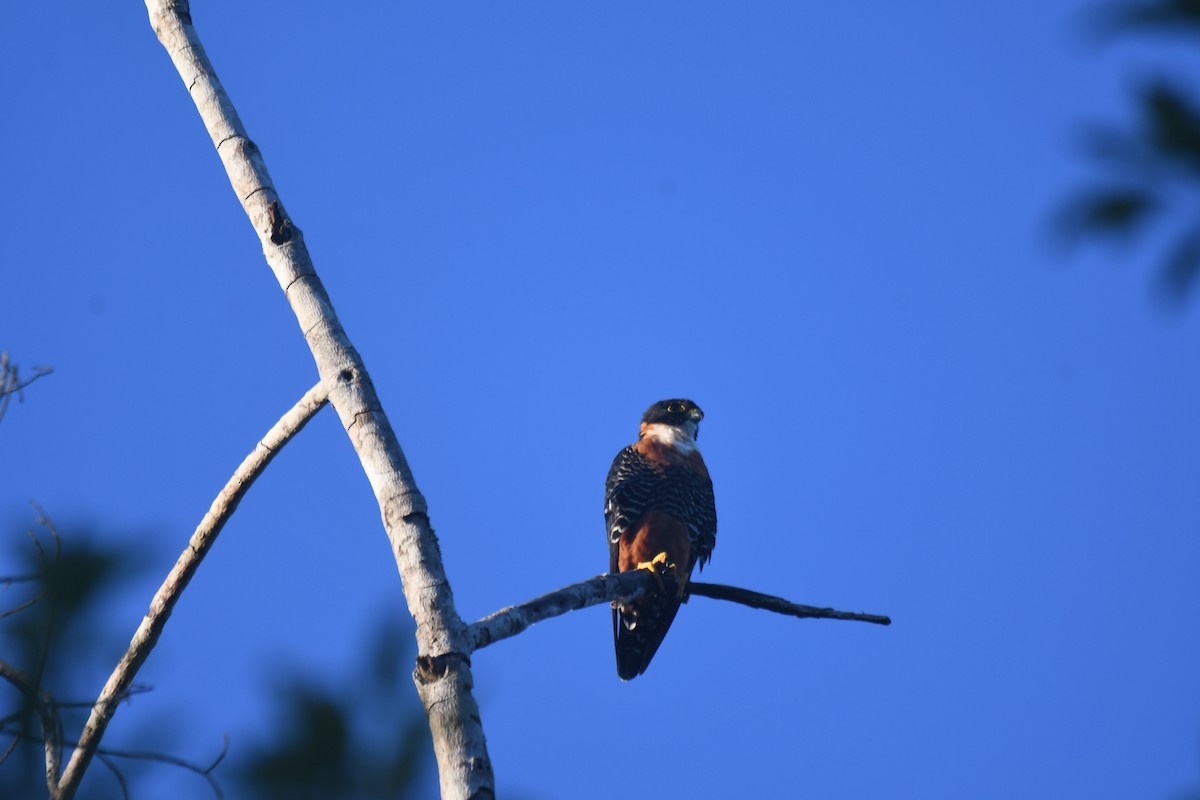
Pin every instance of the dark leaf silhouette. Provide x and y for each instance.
(1112, 211)
(1172, 124)
(60, 637)
(1152, 167)
(1181, 266)
(367, 740)
(1171, 16)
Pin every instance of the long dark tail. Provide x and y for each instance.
(638, 630)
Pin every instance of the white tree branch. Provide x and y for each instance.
(626, 586)
(44, 704)
(601, 589)
(443, 676)
(177, 580)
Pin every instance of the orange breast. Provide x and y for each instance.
(656, 533)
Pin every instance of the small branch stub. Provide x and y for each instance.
(281, 226)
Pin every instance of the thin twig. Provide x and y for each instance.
(175, 761)
(106, 755)
(168, 594)
(44, 656)
(768, 602)
(47, 718)
(10, 579)
(49, 525)
(27, 604)
(132, 691)
(54, 738)
(43, 702)
(11, 746)
(41, 559)
(116, 772)
(10, 382)
(624, 587)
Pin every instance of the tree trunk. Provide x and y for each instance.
(443, 675)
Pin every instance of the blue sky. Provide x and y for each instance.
(825, 223)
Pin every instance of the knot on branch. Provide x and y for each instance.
(281, 226)
(434, 668)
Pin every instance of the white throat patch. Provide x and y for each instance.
(680, 437)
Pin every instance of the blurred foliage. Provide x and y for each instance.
(1150, 171)
(1164, 15)
(59, 630)
(369, 739)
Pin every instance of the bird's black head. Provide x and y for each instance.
(672, 412)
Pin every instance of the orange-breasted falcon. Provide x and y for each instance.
(660, 513)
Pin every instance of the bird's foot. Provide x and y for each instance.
(658, 566)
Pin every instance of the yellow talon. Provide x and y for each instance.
(658, 567)
(651, 565)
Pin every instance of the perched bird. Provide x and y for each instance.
(660, 514)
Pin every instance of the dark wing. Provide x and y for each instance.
(628, 489)
(701, 515)
(632, 486)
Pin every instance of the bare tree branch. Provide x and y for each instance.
(43, 520)
(205, 772)
(132, 691)
(47, 708)
(11, 383)
(116, 773)
(177, 580)
(443, 674)
(106, 755)
(768, 602)
(11, 746)
(30, 687)
(47, 717)
(8, 580)
(626, 586)
(600, 589)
